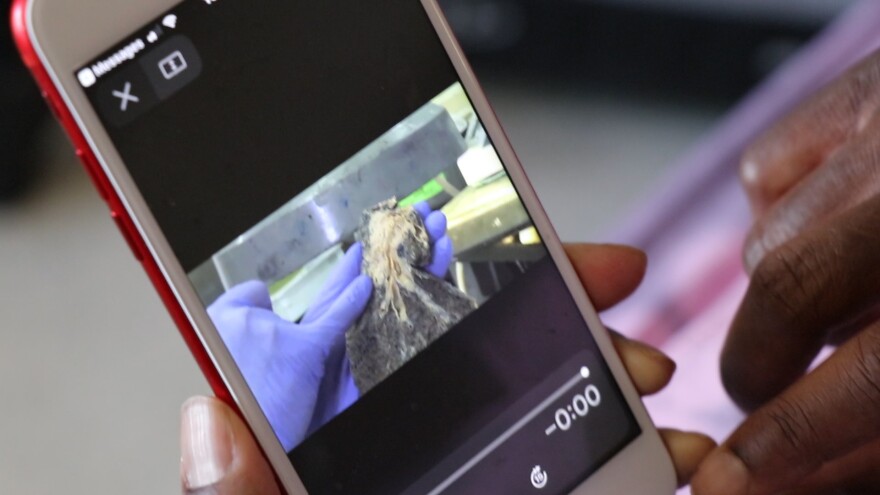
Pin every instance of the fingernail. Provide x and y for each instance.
(722, 474)
(206, 444)
(655, 355)
(660, 357)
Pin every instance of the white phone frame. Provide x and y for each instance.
(55, 29)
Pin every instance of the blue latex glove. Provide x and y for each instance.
(296, 371)
(442, 249)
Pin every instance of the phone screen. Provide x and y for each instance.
(322, 176)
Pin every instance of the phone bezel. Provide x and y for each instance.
(48, 33)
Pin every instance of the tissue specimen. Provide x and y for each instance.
(410, 308)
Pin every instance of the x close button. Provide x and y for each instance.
(125, 97)
(133, 89)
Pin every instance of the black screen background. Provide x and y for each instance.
(298, 98)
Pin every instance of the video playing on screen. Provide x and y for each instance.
(364, 256)
(356, 275)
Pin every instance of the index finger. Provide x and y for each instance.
(803, 140)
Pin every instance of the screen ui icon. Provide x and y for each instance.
(87, 78)
(170, 21)
(172, 65)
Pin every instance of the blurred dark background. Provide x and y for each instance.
(20, 116)
(695, 52)
(710, 51)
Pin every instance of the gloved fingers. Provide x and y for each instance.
(435, 224)
(253, 294)
(345, 272)
(435, 221)
(423, 209)
(348, 391)
(343, 312)
(442, 250)
(441, 257)
(338, 392)
(218, 454)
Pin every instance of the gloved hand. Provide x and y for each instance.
(297, 371)
(442, 249)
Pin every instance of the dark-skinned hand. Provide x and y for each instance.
(814, 259)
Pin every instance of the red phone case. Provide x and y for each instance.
(117, 210)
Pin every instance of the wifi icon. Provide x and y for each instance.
(170, 21)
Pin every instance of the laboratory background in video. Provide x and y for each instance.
(440, 155)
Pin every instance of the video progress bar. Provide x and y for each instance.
(583, 374)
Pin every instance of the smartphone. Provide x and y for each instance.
(333, 216)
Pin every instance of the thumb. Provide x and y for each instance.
(218, 454)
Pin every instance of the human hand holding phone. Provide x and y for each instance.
(500, 378)
(218, 451)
